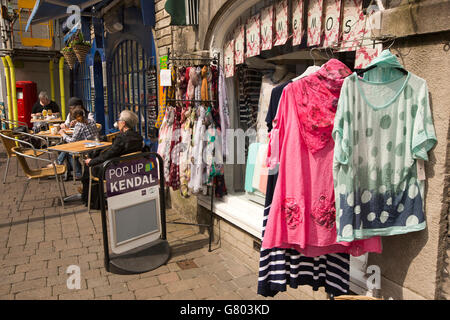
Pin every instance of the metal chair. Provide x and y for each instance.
(13, 123)
(31, 174)
(9, 142)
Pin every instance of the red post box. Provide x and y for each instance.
(26, 97)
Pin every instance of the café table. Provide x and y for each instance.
(79, 148)
(47, 134)
(47, 120)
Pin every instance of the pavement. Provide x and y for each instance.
(39, 243)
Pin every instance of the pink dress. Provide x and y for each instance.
(302, 215)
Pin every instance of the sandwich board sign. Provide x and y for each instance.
(135, 215)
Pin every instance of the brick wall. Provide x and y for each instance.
(164, 39)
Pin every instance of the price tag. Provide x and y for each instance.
(421, 170)
(166, 78)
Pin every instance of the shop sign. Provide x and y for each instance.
(366, 53)
(281, 22)
(368, 50)
(315, 10)
(267, 28)
(297, 22)
(239, 42)
(253, 36)
(131, 176)
(352, 25)
(332, 22)
(229, 59)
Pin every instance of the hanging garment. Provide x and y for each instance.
(204, 90)
(165, 134)
(302, 215)
(197, 182)
(263, 106)
(224, 112)
(382, 129)
(166, 131)
(186, 150)
(279, 268)
(259, 167)
(250, 167)
(175, 146)
(249, 90)
(162, 106)
(152, 103)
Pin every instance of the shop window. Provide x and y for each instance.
(134, 85)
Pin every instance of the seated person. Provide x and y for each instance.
(127, 141)
(73, 102)
(85, 129)
(43, 103)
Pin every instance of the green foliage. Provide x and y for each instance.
(79, 40)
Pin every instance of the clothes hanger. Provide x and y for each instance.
(310, 69)
(404, 71)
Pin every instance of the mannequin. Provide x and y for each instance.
(279, 74)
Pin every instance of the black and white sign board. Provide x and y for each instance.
(135, 215)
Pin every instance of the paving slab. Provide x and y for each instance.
(41, 241)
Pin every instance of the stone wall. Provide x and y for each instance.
(412, 264)
(164, 39)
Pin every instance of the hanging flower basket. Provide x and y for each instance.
(69, 56)
(80, 47)
(81, 51)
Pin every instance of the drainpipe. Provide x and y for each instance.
(61, 87)
(8, 88)
(12, 73)
(52, 80)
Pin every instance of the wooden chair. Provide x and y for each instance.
(111, 136)
(9, 142)
(95, 179)
(56, 171)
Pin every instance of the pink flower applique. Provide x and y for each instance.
(292, 211)
(324, 212)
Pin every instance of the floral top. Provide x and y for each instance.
(303, 214)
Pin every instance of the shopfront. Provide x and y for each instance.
(255, 61)
(132, 71)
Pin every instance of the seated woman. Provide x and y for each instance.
(70, 121)
(85, 129)
(127, 141)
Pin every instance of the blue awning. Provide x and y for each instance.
(45, 10)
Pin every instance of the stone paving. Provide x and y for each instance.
(39, 242)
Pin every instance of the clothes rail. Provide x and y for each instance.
(187, 100)
(193, 57)
(214, 60)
